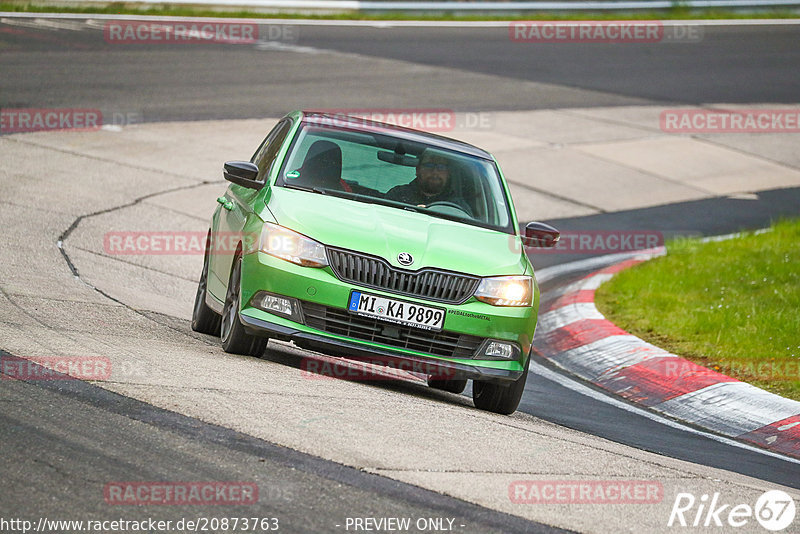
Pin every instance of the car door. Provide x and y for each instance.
(236, 206)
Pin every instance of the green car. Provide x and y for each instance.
(375, 242)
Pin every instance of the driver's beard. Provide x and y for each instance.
(438, 187)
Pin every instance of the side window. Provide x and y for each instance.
(268, 151)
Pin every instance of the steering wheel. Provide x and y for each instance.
(449, 204)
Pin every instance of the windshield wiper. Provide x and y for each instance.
(302, 188)
(317, 190)
(448, 216)
(367, 199)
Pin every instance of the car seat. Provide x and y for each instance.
(322, 166)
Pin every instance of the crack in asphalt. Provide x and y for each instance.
(65, 234)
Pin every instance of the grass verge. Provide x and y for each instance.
(732, 306)
(678, 12)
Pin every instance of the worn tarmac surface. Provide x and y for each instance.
(331, 449)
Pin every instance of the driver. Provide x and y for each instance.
(432, 183)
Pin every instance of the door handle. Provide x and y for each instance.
(227, 204)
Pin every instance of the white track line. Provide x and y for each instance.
(548, 273)
(596, 360)
(582, 389)
(568, 314)
(376, 23)
(61, 25)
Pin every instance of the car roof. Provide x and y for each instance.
(344, 121)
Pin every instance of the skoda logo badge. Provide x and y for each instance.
(405, 258)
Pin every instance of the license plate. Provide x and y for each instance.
(396, 311)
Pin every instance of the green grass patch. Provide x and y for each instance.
(678, 12)
(732, 306)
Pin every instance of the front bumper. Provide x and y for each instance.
(466, 324)
(376, 355)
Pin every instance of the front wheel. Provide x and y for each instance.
(498, 398)
(204, 319)
(234, 339)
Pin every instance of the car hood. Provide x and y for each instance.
(386, 232)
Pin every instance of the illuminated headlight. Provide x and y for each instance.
(505, 291)
(291, 246)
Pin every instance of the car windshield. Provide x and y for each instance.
(397, 172)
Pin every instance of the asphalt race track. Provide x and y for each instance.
(324, 451)
(729, 65)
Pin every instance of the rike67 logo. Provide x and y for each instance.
(774, 510)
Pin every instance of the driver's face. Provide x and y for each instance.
(433, 173)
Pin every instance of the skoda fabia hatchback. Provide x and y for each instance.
(372, 241)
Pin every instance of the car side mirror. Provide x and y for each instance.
(242, 173)
(540, 235)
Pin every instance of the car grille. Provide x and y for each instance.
(431, 284)
(340, 321)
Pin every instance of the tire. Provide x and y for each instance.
(454, 385)
(499, 398)
(204, 319)
(234, 339)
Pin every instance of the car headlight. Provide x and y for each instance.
(505, 290)
(290, 246)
